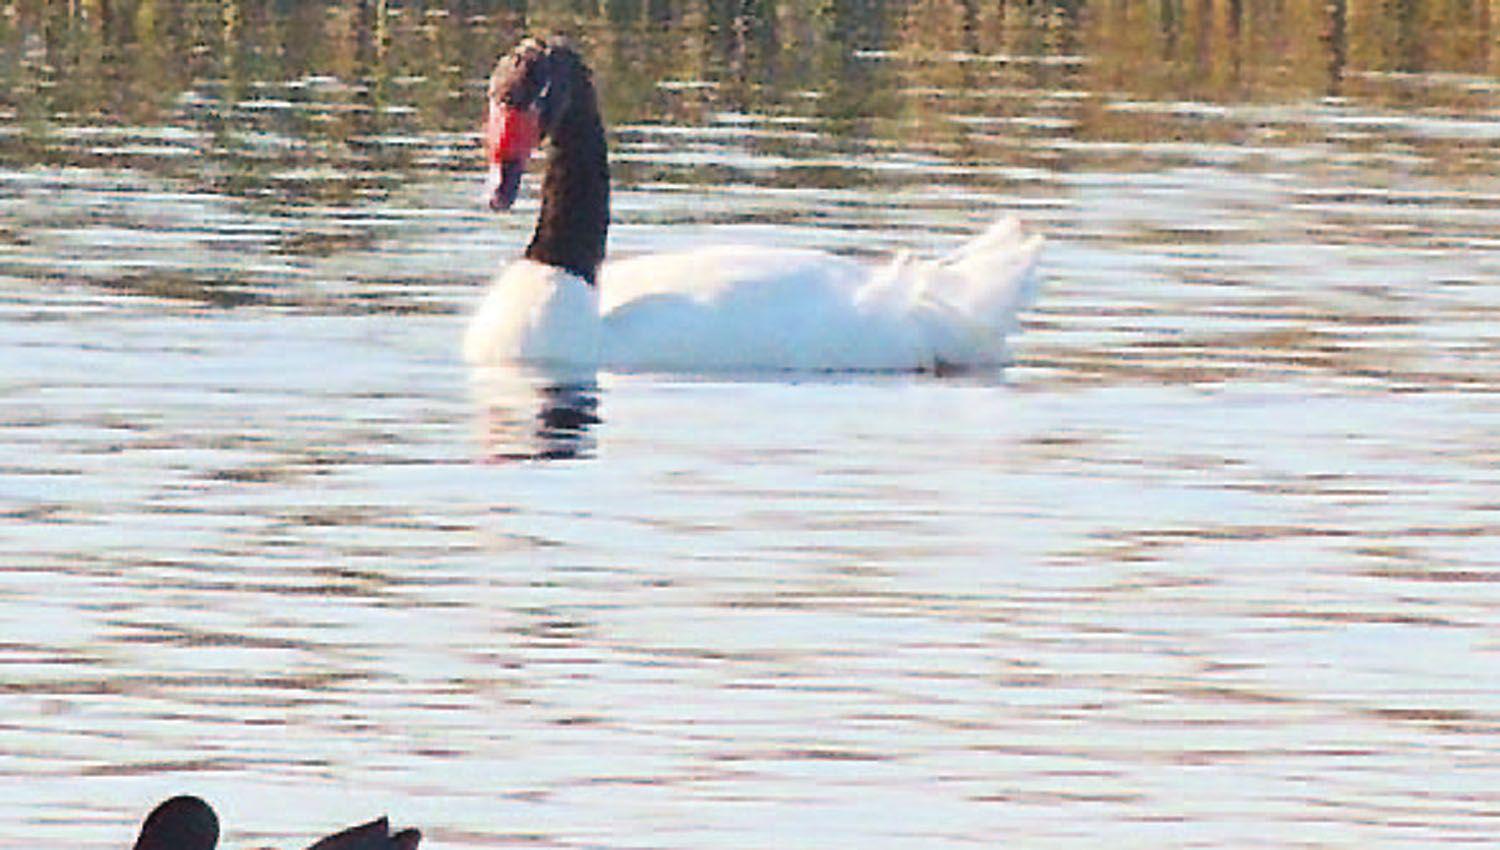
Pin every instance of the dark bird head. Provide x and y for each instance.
(530, 95)
(181, 823)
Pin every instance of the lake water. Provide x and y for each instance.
(1213, 564)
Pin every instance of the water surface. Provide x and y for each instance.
(1213, 564)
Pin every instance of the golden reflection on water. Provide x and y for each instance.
(385, 67)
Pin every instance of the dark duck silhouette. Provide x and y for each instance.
(188, 823)
(716, 308)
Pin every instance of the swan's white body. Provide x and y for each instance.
(756, 309)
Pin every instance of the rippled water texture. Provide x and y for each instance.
(1213, 565)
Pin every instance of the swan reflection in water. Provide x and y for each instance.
(528, 413)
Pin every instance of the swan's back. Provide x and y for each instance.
(732, 308)
(750, 308)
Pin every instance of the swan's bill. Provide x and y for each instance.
(510, 135)
(504, 184)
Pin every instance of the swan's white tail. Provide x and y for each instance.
(998, 273)
(1003, 234)
(962, 306)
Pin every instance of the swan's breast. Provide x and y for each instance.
(535, 313)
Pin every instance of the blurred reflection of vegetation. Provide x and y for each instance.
(342, 96)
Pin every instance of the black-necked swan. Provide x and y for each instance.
(726, 308)
(188, 823)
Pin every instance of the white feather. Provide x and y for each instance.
(744, 308)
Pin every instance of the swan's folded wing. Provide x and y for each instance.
(716, 272)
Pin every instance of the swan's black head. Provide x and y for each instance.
(531, 94)
(181, 823)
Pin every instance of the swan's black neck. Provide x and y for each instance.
(574, 221)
